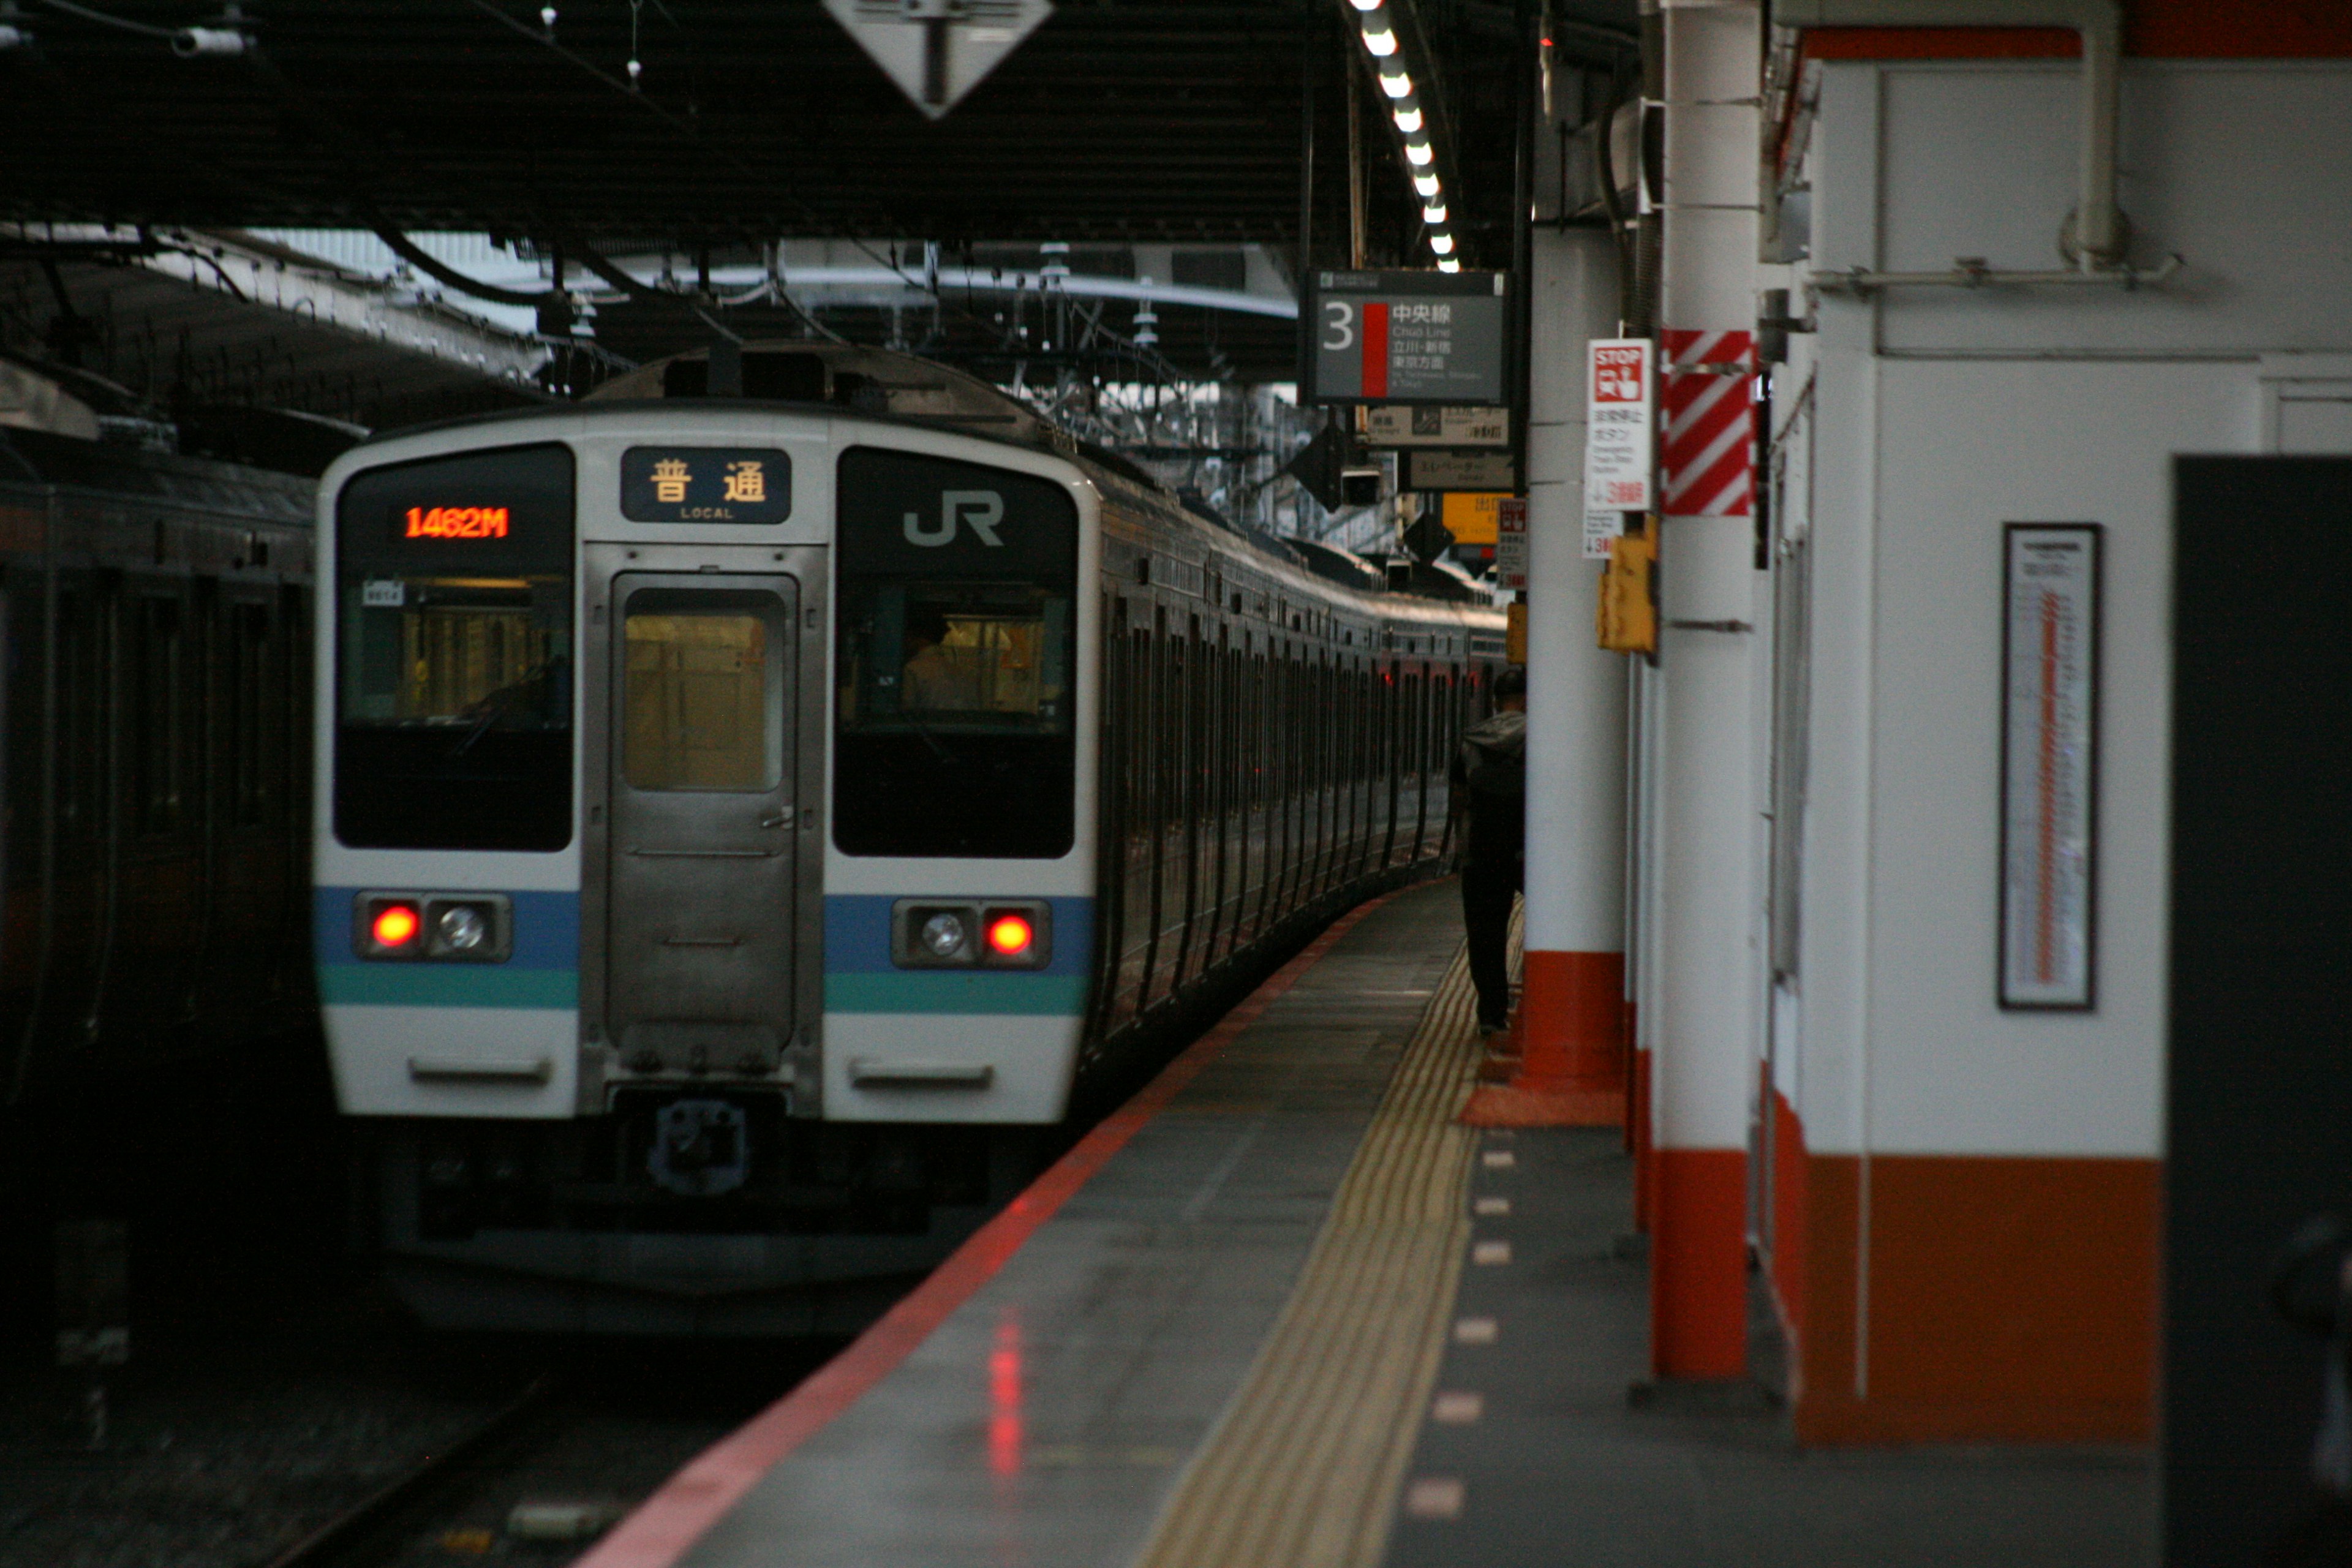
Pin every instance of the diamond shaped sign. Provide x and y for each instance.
(938, 50)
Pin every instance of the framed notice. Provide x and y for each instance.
(2049, 766)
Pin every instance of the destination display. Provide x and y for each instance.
(1408, 338)
(705, 484)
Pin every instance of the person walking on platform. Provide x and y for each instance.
(1489, 776)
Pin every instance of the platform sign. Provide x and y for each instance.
(1459, 470)
(938, 50)
(1470, 516)
(2048, 745)
(1601, 529)
(1511, 541)
(1436, 425)
(1621, 421)
(1408, 338)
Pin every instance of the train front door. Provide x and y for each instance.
(704, 790)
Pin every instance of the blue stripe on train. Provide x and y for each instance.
(546, 928)
(860, 978)
(542, 971)
(857, 934)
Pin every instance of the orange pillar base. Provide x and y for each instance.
(1699, 1264)
(1571, 1061)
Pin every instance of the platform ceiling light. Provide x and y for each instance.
(1383, 41)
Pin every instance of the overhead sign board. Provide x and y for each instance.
(1408, 338)
(1511, 541)
(1459, 471)
(1436, 425)
(1621, 419)
(939, 50)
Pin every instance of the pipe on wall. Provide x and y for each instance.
(2096, 231)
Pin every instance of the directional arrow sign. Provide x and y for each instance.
(938, 50)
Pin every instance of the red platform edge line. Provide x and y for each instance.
(663, 1528)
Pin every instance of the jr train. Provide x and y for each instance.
(737, 821)
(154, 826)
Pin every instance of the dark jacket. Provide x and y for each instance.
(1490, 783)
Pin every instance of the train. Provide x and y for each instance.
(154, 824)
(746, 826)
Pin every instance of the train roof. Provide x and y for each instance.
(898, 388)
(36, 457)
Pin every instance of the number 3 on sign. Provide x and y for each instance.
(1339, 325)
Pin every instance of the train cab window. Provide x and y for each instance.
(955, 730)
(454, 653)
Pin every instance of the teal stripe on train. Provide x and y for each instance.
(447, 986)
(959, 991)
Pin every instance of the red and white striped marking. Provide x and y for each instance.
(1710, 445)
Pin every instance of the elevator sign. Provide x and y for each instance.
(1620, 424)
(1408, 338)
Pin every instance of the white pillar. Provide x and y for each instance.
(1573, 1004)
(1707, 911)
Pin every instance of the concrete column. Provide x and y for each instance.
(1702, 1077)
(1571, 1011)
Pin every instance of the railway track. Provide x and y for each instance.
(376, 1529)
(543, 1476)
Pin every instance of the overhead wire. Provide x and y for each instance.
(86, 14)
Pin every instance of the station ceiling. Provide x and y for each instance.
(1117, 120)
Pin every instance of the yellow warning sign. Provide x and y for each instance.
(1469, 516)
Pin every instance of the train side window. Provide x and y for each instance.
(954, 697)
(156, 717)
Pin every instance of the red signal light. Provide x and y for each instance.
(395, 925)
(1009, 936)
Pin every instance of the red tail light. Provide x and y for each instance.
(1009, 936)
(396, 925)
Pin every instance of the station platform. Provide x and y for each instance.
(1283, 1310)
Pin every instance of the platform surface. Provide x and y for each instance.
(1558, 1470)
(1047, 1420)
(1273, 1329)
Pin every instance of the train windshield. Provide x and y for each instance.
(454, 653)
(953, 697)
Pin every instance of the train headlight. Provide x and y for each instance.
(942, 935)
(934, 934)
(446, 928)
(461, 927)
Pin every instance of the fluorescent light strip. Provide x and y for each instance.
(1381, 42)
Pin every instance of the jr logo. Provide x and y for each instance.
(980, 510)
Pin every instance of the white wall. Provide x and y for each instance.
(1942, 414)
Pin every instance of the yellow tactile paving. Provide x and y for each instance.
(1303, 1469)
